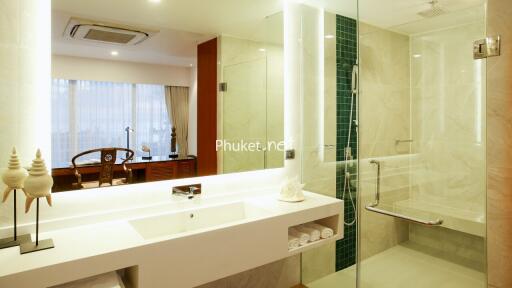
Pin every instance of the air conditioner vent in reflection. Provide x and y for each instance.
(107, 33)
(106, 36)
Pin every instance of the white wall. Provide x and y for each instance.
(24, 79)
(77, 68)
(24, 86)
(192, 117)
(292, 22)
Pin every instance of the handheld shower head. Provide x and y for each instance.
(355, 80)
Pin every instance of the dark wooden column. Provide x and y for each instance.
(207, 108)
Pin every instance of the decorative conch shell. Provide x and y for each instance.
(292, 191)
(14, 176)
(145, 148)
(38, 183)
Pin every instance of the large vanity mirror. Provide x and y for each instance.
(148, 90)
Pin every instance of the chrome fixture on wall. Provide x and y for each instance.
(373, 207)
(488, 47)
(348, 148)
(398, 141)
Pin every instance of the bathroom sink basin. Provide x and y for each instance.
(194, 219)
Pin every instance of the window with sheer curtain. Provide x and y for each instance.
(92, 114)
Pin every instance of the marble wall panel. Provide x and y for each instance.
(499, 152)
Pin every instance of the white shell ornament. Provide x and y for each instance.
(145, 148)
(38, 183)
(291, 191)
(14, 176)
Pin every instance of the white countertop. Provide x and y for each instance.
(117, 236)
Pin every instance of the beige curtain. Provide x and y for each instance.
(176, 100)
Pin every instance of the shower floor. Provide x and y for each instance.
(404, 267)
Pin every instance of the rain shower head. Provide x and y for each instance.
(434, 10)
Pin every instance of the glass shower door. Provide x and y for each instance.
(324, 45)
(244, 115)
(422, 148)
(251, 98)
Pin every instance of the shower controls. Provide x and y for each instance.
(488, 47)
(348, 153)
(223, 87)
(290, 154)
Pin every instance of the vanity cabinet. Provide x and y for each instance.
(186, 169)
(143, 171)
(162, 171)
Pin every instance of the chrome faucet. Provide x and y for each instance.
(189, 191)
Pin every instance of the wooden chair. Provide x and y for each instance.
(106, 168)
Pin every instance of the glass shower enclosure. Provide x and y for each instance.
(422, 148)
(251, 96)
(397, 131)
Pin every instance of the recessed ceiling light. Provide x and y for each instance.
(154, 1)
(262, 49)
(416, 55)
(114, 53)
(329, 36)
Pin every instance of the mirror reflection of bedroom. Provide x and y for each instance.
(138, 99)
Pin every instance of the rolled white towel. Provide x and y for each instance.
(107, 280)
(303, 237)
(314, 234)
(293, 242)
(325, 232)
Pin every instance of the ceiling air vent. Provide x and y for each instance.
(88, 30)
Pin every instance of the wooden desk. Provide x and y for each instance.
(157, 169)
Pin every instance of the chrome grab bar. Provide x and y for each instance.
(373, 207)
(398, 141)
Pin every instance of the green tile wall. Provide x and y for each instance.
(346, 56)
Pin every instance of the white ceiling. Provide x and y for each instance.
(474, 14)
(167, 47)
(199, 16)
(182, 25)
(185, 23)
(391, 14)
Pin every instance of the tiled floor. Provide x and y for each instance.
(404, 267)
